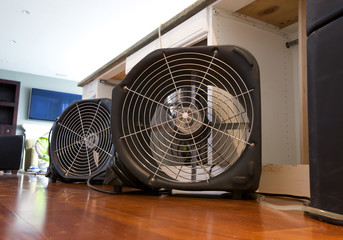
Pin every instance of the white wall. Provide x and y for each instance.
(278, 81)
(28, 81)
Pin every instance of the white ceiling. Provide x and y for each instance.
(70, 39)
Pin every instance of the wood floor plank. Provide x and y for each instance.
(14, 227)
(37, 209)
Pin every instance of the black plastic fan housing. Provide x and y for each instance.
(81, 142)
(189, 119)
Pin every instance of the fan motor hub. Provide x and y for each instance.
(91, 140)
(188, 120)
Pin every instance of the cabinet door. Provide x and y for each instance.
(7, 130)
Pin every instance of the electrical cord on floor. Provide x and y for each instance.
(260, 197)
(98, 189)
(141, 192)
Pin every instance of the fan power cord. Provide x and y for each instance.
(319, 212)
(142, 192)
(98, 189)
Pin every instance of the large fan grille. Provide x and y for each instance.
(83, 140)
(187, 117)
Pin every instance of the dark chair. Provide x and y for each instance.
(11, 152)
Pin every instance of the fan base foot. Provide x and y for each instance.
(117, 189)
(237, 195)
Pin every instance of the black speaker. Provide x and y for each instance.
(325, 98)
(321, 12)
(11, 152)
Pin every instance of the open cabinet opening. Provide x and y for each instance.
(269, 30)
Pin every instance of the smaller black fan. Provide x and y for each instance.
(81, 142)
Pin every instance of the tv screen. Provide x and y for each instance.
(48, 105)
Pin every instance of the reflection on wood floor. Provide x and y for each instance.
(34, 208)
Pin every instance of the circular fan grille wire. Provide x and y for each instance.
(83, 140)
(187, 117)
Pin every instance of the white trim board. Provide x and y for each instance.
(285, 179)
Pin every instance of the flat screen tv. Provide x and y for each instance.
(48, 105)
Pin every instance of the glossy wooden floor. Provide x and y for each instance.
(33, 208)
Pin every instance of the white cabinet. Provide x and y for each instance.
(221, 24)
(279, 79)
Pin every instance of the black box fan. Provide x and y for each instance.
(189, 119)
(81, 142)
